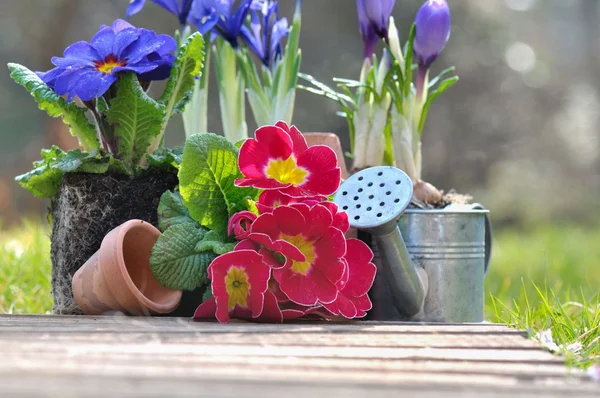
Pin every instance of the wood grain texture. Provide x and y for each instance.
(61, 356)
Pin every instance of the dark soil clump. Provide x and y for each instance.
(86, 208)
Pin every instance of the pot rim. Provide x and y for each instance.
(446, 211)
(159, 307)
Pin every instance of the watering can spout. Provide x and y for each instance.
(407, 282)
(374, 200)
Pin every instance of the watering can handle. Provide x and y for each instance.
(488, 237)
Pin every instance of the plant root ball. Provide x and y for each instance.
(86, 208)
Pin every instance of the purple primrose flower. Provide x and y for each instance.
(265, 34)
(179, 8)
(432, 31)
(87, 70)
(220, 17)
(373, 18)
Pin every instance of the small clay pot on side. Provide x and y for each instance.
(332, 141)
(118, 277)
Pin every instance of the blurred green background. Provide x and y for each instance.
(520, 132)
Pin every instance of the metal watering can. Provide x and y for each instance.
(429, 279)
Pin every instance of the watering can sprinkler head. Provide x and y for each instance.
(374, 200)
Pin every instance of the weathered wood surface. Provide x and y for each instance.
(59, 356)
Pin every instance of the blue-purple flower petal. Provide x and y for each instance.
(179, 8)
(87, 70)
(135, 6)
(120, 25)
(265, 34)
(219, 16)
(147, 43)
(103, 41)
(123, 40)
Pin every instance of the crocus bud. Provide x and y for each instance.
(432, 31)
(373, 17)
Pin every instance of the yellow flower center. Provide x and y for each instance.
(237, 286)
(109, 63)
(286, 171)
(307, 248)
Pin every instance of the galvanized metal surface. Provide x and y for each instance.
(62, 356)
(432, 262)
(374, 200)
(450, 246)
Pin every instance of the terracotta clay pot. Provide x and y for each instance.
(118, 277)
(333, 142)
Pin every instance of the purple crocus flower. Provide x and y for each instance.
(373, 18)
(220, 17)
(265, 34)
(432, 31)
(87, 70)
(179, 8)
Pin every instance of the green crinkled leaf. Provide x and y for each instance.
(216, 242)
(186, 68)
(42, 181)
(137, 118)
(56, 106)
(174, 261)
(45, 179)
(206, 180)
(166, 158)
(172, 211)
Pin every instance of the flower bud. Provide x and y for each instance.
(432, 31)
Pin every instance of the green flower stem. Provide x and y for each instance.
(231, 92)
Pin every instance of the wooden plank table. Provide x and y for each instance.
(62, 356)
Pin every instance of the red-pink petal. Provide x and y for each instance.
(289, 220)
(239, 224)
(279, 246)
(342, 306)
(362, 270)
(320, 219)
(262, 183)
(332, 242)
(333, 271)
(246, 244)
(206, 310)
(318, 158)
(271, 312)
(298, 289)
(270, 259)
(274, 287)
(253, 159)
(257, 273)
(298, 139)
(362, 303)
(266, 224)
(325, 183)
(276, 140)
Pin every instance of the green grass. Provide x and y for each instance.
(545, 278)
(25, 270)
